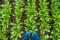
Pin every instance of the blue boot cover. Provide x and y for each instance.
(35, 37)
(27, 35)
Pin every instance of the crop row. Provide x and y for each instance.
(44, 17)
(16, 28)
(4, 18)
(31, 16)
(56, 18)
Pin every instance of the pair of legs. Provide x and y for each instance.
(34, 36)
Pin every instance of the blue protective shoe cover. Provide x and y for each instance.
(27, 35)
(35, 37)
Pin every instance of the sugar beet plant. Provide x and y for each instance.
(56, 17)
(44, 17)
(16, 29)
(4, 18)
(31, 15)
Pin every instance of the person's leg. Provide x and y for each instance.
(35, 37)
(27, 35)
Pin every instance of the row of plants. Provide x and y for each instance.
(44, 17)
(31, 16)
(56, 18)
(4, 19)
(16, 28)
